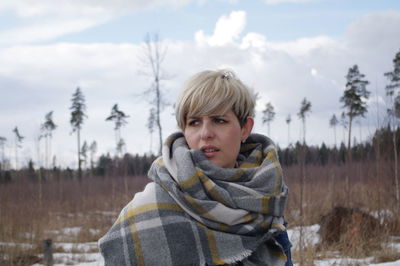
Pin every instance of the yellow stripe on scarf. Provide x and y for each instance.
(279, 226)
(131, 213)
(272, 156)
(199, 209)
(255, 164)
(237, 175)
(136, 242)
(212, 244)
(279, 254)
(210, 187)
(265, 204)
(191, 181)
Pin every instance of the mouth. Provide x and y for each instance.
(209, 151)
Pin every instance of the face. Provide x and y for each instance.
(217, 136)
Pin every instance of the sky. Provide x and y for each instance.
(284, 50)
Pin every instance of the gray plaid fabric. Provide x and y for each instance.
(196, 213)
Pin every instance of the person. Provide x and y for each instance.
(218, 194)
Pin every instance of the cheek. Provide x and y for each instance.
(190, 139)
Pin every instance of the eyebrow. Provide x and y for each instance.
(212, 116)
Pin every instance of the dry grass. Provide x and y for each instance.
(326, 188)
(26, 217)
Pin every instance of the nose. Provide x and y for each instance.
(207, 131)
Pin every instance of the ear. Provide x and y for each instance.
(247, 127)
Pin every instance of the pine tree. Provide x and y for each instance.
(305, 108)
(268, 116)
(78, 109)
(393, 91)
(354, 99)
(119, 119)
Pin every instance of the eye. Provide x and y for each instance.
(219, 120)
(193, 122)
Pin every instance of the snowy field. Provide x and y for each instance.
(86, 254)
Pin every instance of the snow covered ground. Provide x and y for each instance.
(86, 254)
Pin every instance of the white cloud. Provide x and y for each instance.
(34, 8)
(253, 39)
(55, 18)
(303, 46)
(227, 30)
(41, 78)
(287, 1)
(47, 31)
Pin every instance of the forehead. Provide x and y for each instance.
(217, 113)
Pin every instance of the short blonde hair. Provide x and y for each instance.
(209, 92)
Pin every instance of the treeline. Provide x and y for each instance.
(381, 145)
(106, 165)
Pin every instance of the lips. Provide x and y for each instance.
(209, 151)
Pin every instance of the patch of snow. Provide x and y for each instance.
(382, 215)
(88, 259)
(391, 263)
(83, 247)
(311, 236)
(22, 245)
(107, 213)
(342, 261)
(94, 231)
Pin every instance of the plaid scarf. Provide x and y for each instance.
(196, 213)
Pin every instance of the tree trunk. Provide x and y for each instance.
(158, 95)
(79, 155)
(378, 169)
(302, 183)
(348, 163)
(302, 223)
(46, 147)
(396, 178)
(334, 131)
(16, 156)
(349, 139)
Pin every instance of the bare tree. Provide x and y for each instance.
(154, 52)
(18, 142)
(150, 126)
(119, 119)
(268, 116)
(332, 123)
